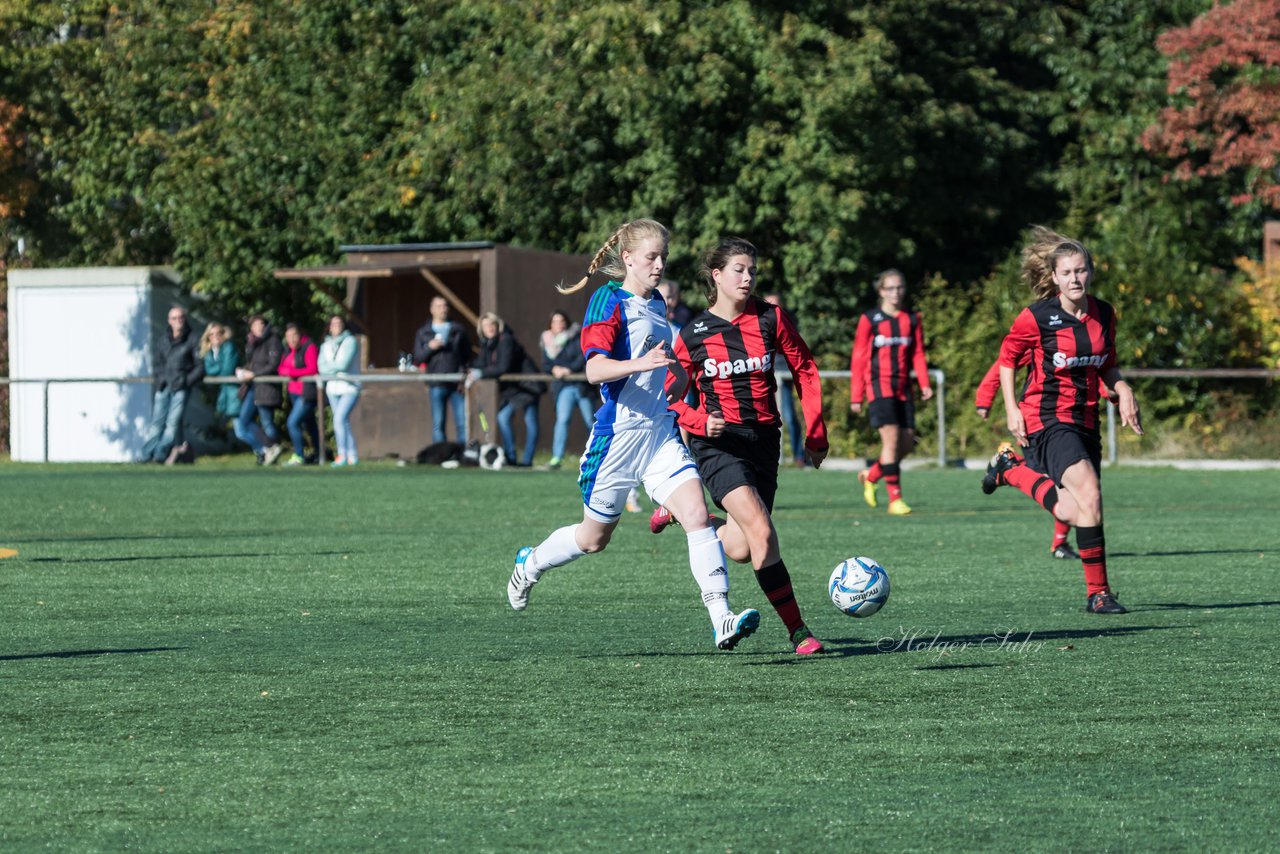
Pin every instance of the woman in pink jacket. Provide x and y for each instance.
(299, 360)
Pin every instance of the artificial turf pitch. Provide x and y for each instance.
(227, 658)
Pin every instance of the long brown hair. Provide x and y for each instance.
(608, 259)
(1040, 258)
(717, 258)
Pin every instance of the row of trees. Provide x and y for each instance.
(231, 138)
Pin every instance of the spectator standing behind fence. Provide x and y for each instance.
(441, 347)
(562, 356)
(300, 360)
(340, 354)
(786, 401)
(220, 360)
(177, 370)
(259, 401)
(500, 353)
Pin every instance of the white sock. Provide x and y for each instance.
(559, 548)
(706, 561)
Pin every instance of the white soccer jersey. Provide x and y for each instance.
(622, 326)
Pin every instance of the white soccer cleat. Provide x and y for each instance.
(520, 584)
(735, 627)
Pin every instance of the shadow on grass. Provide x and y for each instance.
(129, 558)
(1200, 606)
(935, 643)
(915, 641)
(177, 535)
(1189, 552)
(78, 653)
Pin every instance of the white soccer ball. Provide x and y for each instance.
(859, 587)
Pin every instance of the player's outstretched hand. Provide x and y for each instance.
(983, 412)
(815, 457)
(926, 393)
(855, 408)
(1130, 416)
(653, 360)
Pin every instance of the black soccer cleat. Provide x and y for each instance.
(1065, 552)
(1104, 602)
(1004, 460)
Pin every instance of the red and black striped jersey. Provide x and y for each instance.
(732, 364)
(885, 349)
(1069, 356)
(989, 388)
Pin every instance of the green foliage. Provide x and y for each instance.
(234, 138)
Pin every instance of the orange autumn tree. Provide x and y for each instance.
(15, 186)
(1224, 80)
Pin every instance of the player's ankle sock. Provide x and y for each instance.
(1060, 531)
(706, 562)
(559, 548)
(1036, 486)
(874, 472)
(775, 581)
(1093, 556)
(892, 480)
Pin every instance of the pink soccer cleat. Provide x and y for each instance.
(659, 520)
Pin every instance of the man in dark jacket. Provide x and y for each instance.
(442, 347)
(259, 401)
(178, 369)
(500, 353)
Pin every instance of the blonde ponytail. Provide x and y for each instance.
(608, 259)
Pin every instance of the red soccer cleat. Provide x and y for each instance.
(659, 520)
(804, 642)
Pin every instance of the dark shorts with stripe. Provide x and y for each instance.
(1059, 446)
(884, 411)
(741, 456)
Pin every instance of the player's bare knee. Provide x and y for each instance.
(592, 543)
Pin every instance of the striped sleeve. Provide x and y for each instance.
(603, 324)
(860, 362)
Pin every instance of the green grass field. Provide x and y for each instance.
(225, 658)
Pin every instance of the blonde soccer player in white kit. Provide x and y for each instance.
(627, 342)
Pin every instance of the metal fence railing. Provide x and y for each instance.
(939, 379)
(1172, 373)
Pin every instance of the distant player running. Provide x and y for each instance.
(729, 350)
(982, 400)
(626, 340)
(888, 344)
(1070, 337)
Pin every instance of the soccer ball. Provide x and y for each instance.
(859, 587)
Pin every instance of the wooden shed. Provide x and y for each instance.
(386, 291)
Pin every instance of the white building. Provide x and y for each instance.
(84, 324)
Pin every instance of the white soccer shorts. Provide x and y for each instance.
(613, 464)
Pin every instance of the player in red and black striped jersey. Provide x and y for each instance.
(982, 400)
(887, 346)
(1069, 337)
(734, 432)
